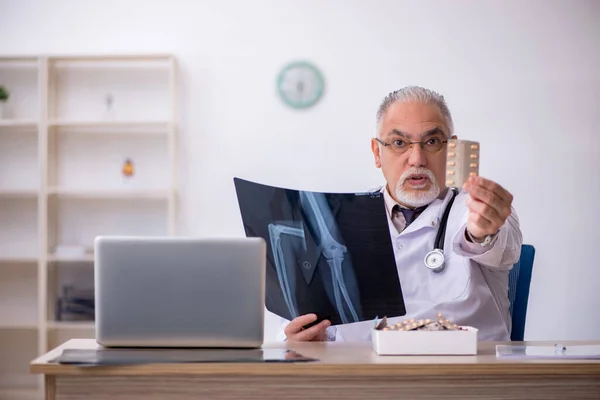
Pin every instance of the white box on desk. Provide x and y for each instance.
(400, 343)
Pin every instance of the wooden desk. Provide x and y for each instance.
(345, 371)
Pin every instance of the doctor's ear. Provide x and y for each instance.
(376, 152)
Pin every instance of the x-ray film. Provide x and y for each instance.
(327, 253)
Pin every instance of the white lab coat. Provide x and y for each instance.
(472, 290)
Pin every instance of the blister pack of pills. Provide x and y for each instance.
(462, 162)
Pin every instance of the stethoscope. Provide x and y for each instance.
(434, 260)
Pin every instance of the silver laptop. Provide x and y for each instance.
(179, 292)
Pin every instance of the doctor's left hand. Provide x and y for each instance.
(489, 206)
(295, 331)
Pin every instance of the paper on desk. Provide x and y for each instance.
(548, 351)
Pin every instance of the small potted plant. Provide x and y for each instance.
(4, 95)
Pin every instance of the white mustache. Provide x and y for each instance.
(416, 171)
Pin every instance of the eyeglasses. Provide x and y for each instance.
(431, 145)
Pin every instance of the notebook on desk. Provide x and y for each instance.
(556, 351)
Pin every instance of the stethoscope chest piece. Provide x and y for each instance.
(434, 260)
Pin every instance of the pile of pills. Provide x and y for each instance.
(439, 324)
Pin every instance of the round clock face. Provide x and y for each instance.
(300, 85)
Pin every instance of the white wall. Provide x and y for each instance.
(521, 77)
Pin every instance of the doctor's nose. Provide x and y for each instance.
(416, 156)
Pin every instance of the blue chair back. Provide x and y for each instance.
(519, 280)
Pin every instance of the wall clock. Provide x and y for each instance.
(300, 84)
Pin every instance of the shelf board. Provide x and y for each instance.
(116, 194)
(67, 259)
(20, 394)
(156, 126)
(5, 326)
(18, 193)
(18, 123)
(18, 260)
(70, 325)
(19, 62)
(19, 58)
(110, 57)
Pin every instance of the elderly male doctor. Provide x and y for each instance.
(483, 239)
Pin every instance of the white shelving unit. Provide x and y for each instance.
(69, 127)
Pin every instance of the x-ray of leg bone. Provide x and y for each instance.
(327, 253)
(287, 278)
(319, 216)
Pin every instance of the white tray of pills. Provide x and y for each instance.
(436, 336)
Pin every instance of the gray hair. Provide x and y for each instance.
(419, 95)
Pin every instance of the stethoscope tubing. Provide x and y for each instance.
(435, 260)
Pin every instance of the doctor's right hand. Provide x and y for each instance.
(316, 333)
